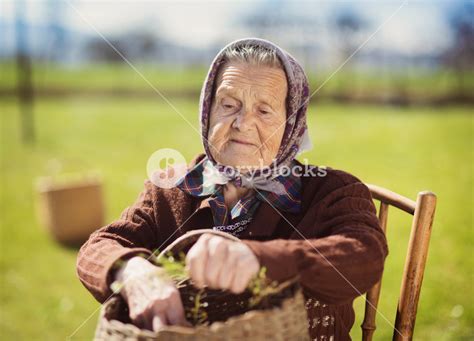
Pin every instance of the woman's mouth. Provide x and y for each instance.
(242, 142)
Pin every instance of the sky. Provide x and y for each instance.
(408, 27)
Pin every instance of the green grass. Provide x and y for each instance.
(406, 150)
(106, 76)
(411, 83)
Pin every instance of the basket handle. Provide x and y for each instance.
(190, 238)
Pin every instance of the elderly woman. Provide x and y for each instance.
(315, 222)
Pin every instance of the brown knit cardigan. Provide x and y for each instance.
(335, 244)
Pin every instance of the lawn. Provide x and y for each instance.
(412, 84)
(404, 149)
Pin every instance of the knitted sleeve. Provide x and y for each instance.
(133, 234)
(338, 249)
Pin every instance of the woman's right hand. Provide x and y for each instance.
(152, 298)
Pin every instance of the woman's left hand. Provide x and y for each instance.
(220, 263)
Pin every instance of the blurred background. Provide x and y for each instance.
(95, 87)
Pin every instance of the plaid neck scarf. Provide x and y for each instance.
(194, 184)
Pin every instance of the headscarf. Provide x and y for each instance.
(295, 138)
(208, 177)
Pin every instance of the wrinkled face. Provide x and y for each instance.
(248, 114)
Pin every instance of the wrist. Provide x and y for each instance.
(122, 270)
(135, 269)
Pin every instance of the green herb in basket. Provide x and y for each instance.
(175, 268)
(197, 314)
(261, 287)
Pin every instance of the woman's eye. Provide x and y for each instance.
(264, 112)
(228, 105)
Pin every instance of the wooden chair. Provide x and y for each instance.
(423, 213)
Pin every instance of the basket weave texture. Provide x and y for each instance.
(279, 316)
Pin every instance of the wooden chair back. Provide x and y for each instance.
(423, 213)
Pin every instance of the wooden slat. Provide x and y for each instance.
(383, 216)
(372, 298)
(392, 198)
(414, 266)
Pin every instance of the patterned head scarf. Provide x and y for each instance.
(295, 138)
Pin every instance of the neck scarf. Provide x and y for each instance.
(197, 182)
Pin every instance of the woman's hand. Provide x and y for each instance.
(152, 298)
(221, 263)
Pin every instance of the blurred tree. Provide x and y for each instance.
(267, 20)
(24, 70)
(460, 55)
(285, 23)
(347, 25)
(57, 34)
(137, 45)
(98, 50)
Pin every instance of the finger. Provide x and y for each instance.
(175, 311)
(227, 272)
(217, 256)
(177, 320)
(240, 281)
(238, 285)
(159, 321)
(196, 260)
(139, 321)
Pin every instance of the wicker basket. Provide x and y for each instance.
(280, 316)
(71, 210)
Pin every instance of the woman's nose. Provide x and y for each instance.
(244, 120)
